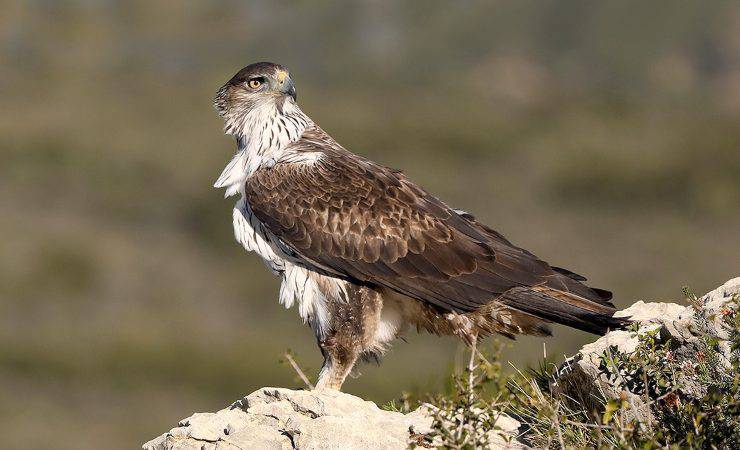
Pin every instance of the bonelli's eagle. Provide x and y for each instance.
(365, 252)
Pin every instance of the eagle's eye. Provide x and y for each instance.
(254, 83)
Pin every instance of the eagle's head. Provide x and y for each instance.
(257, 85)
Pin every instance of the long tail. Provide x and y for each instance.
(564, 308)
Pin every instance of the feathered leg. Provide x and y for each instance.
(338, 363)
(354, 321)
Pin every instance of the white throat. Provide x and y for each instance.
(262, 135)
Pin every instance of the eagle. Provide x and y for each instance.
(364, 252)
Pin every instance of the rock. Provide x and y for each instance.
(580, 378)
(579, 375)
(275, 418)
(714, 303)
(651, 312)
(723, 293)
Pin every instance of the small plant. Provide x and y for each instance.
(693, 390)
(402, 405)
(467, 417)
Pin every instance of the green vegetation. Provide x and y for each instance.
(672, 395)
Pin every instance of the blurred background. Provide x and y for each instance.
(603, 136)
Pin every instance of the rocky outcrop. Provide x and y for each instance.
(581, 377)
(275, 418)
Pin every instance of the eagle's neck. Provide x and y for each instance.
(262, 134)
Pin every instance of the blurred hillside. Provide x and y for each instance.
(603, 136)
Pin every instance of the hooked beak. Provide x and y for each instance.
(286, 84)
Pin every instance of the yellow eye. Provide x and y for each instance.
(255, 83)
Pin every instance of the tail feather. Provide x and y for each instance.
(565, 280)
(564, 308)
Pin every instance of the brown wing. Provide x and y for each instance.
(371, 224)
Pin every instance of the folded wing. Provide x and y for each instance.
(370, 224)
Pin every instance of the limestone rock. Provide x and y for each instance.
(579, 377)
(275, 418)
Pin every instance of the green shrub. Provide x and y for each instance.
(671, 395)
